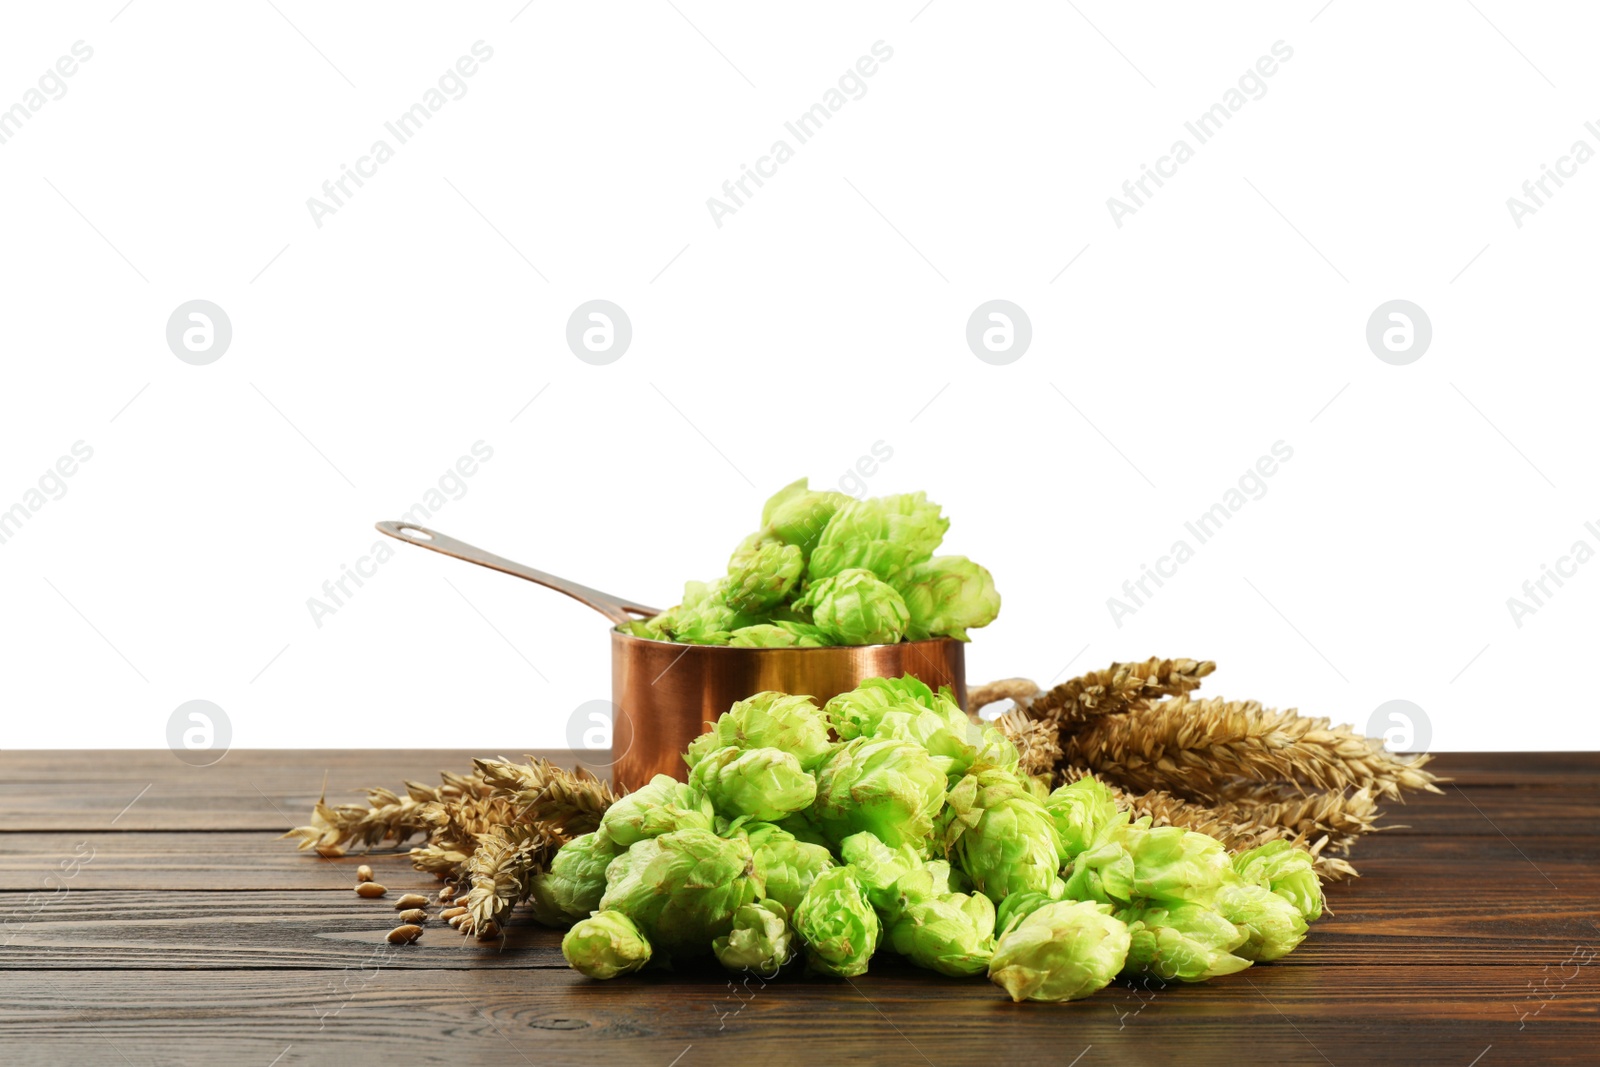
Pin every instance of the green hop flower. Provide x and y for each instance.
(929, 880)
(1000, 835)
(1081, 810)
(1018, 906)
(804, 828)
(887, 787)
(1174, 864)
(797, 515)
(575, 881)
(605, 945)
(660, 806)
(1184, 942)
(837, 924)
(759, 939)
(652, 628)
(759, 783)
(768, 720)
(996, 750)
(806, 635)
(1286, 870)
(906, 709)
(759, 834)
(1273, 926)
(761, 573)
(934, 924)
(682, 888)
(1169, 864)
(884, 535)
(1103, 874)
(860, 711)
(785, 864)
(879, 867)
(947, 596)
(772, 635)
(704, 617)
(1061, 951)
(854, 607)
(952, 934)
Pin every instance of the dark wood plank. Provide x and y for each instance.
(1557, 793)
(1287, 1013)
(1444, 910)
(247, 790)
(1565, 769)
(351, 770)
(193, 936)
(162, 859)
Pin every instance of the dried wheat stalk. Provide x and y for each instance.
(1323, 823)
(501, 871)
(1233, 769)
(1038, 741)
(385, 817)
(571, 802)
(1118, 689)
(1198, 748)
(527, 806)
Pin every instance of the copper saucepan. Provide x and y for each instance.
(665, 694)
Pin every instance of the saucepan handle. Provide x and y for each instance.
(617, 609)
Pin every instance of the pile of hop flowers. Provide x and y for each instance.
(827, 569)
(889, 821)
(1233, 769)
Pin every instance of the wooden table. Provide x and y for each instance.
(151, 918)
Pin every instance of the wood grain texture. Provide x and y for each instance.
(191, 935)
(234, 860)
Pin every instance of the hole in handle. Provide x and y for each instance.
(416, 534)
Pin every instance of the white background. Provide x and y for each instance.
(826, 315)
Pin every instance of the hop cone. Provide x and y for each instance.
(1186, 942)
(661, 806)
(575, 881)
(704, 617)
(1137, 862)
(1081, 811)
(797, 515)
(946, 596)
(1103, 874)
(854, 607)
(952, 933)
(1019, 906)
(889, 788)
(803, 827)
(1287, 871)
(773, 635)
(761, 575)
(786, 865)
(879, 867)
(1273, 926)
(906, 709)
(858, 712)
(768, 720)
(1061, 951)
(1000, 835)
(883, 535)
(837, 924)
(758, 783)
(682, 888)
(759, 939)
(605, 945)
